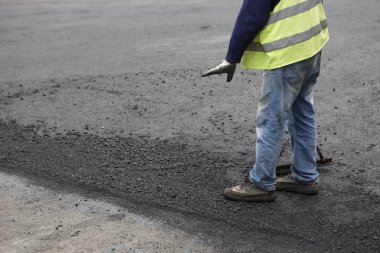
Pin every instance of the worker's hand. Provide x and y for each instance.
(224, 67)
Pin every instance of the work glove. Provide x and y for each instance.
(224, 67)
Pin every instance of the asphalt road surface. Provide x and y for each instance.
(104, 98)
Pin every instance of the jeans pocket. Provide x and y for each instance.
(297, 72)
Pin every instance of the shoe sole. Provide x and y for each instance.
(265, 198)
(303, 189)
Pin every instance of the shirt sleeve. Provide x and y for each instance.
(253, 16)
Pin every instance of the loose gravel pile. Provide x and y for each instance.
(174, 176)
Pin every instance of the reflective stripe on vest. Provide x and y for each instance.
(293, 10)
(296, 30)
(288, 41)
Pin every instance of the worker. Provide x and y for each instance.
(283, 38)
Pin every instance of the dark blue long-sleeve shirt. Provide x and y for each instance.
(253, 16)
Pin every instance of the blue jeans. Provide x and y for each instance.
(287, 99)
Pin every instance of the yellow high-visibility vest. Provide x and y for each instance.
(296, 30)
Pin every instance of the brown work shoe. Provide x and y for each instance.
(289, 184)
(248, 192)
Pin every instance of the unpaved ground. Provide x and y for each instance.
(107, 98)
(35, 219)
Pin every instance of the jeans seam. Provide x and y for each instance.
(265, 139)
(284, 77)
(295, 141)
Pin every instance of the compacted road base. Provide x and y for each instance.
(40, 220)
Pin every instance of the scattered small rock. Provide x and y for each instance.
(58, 227)
(117, 216)
(75, 234)
(204, 27)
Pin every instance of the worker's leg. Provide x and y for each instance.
(277, 96)
(281, 89)
(302, 129)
